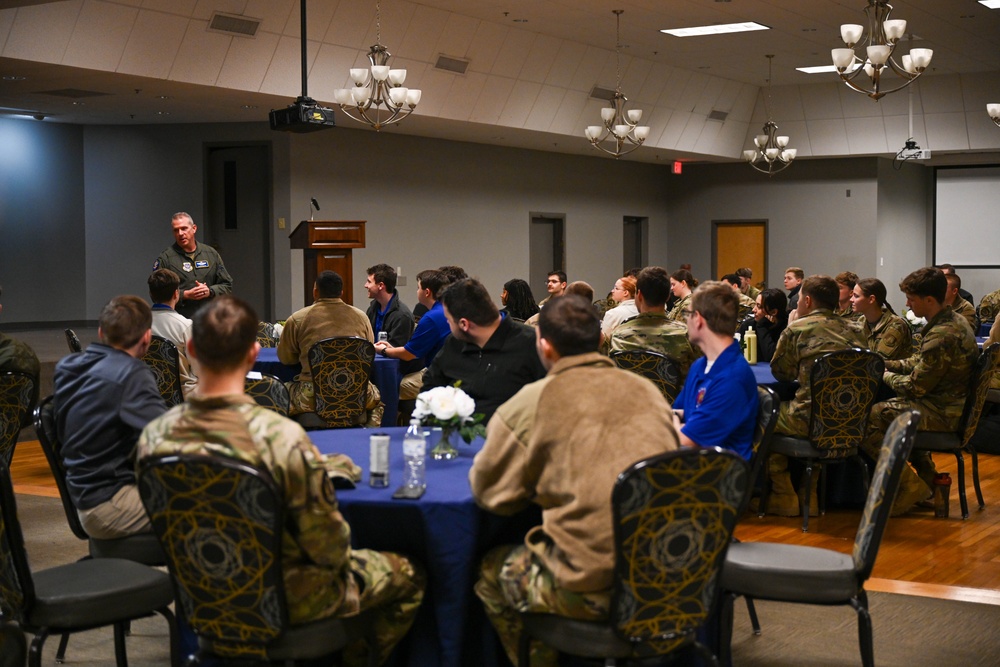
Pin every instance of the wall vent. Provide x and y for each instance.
(231, 24)
(599, 93)
(449, 64)
(718, 115)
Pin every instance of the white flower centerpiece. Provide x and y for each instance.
(455, 412)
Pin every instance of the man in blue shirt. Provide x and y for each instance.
(719, 400)
(387, 312)
(418, 352)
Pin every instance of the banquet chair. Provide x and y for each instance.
(844, 386)
(341, 367)
(73, 341)
(958, 441)
(810, 575)
(673, 522)
(18, 395)
(84, 595)
(661, 369)
(163, 359)
(229, 582)
(267, 336)
(13, 647)
(269, 392)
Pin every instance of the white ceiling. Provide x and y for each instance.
(532, 66)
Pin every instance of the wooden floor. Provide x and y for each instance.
(920, 555)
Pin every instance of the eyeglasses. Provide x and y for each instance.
(687, 312)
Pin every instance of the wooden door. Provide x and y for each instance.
(739, 243)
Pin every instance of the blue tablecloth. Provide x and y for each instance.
(444, 530)
(385, 376)
(762, 373)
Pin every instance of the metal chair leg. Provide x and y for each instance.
(961, 484)
(61, 651)
(121, 659)
(804, 500)
(752, 611)
(860, 605)
(975, 478)
(765, 489)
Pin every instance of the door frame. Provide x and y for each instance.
(736, 223)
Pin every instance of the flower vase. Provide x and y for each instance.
(445, 450)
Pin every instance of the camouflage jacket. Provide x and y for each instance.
(323, 319)
(653, 331)
(968, 311)
(745, 308)
(751, 292)
(798, 346)
(849, 313)
(316, 547)
(936, 378)
(891, 338)
(677, 312)
(989, 306)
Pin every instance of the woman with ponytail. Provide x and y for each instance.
(888, 334)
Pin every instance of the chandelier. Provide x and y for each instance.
(771, 154)
(620, 126)
(994, 111)
(883, 34)
(378, 96)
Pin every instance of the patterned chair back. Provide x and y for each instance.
(266, 335)
(220, 523)
(17, 592)
(18, 395)
(73, 341)
(341, 367)
(162, 357)
(674, 516)
(896, 446)
(979, 386)
(269, 392)
(844, 385)
(662, 370)
(45, 428)
(767, 417)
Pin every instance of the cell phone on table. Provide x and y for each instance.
(409, 492)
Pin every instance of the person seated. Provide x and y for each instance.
(328, 316)
(164, 292)
(846, 280)
(537, 452)
(18, 356)
(623, 295)
(793, 283)
(492, 356)
(104, 397)
(746, 304)
(746, 283)
(323, 575)
(948, 269)
(387, 312)
(681, 284)
(555, 285)
(518, 300)
(651, 329)
(719, 401)
(816, 331)
(888, 334)
(986, 439)
(989, 307)
(768, 319)
(934, 381)
(958, 304)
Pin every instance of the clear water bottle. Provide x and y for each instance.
(414, 456)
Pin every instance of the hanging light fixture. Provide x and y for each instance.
(771, 154)
(994, 111)
(620, 126)
(883, 34)
(378, 96)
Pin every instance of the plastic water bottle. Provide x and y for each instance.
(414, 456)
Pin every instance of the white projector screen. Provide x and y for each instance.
(967, 216)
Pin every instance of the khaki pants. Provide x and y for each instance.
(121, 516)
(409, 386)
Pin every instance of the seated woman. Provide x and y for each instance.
(888, 334)
(682, 283)
(518, 300)
(769, 319)
(623, 295)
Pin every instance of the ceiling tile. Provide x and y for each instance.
(350, 24)
(822, 101)
(567, 120)
(941, 94)
(423, 33)
(183, 8)
(457, 38)
(156, 37)
(318, 18)
(983, 134)
(545, 108)
(6, 21)
(41, 32)
(673, 132)
(492, 98)
(866, 136)
(100, 36)
(519, 104)
(565, 64)
(513, 53)
(543, 52)
(463, 95)
(247, 62)
(284, 73)
(201, 55)
(946, 132)
(828, 137)
(485, 47)
(274, 14)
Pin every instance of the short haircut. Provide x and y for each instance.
(847, 278)
(744, 272)
(684, 276)
(628, 284)
(634, 272)
(468, 299)
(222, 333)
(927, 281)
(876, 288)
(433, 280)
(796, 271)
(570, 324)
(717, 303)
(560, 274)
(124, 321)
(774, 299)
(383, 273)
(452, 274)
(581, 288)
(823, 290)
(954, 280)
(732, 279)
(162, 285)
(654, 283)
(329, 285)
(182, 214)
(946, 268)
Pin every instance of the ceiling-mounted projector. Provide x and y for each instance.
(302, 116)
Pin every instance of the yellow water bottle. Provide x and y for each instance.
(750, 352)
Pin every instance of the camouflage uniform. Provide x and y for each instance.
(891, 338)
(934, 381)
(849, 313)
(204, 265)
(653, 331)
(323, 575)
(989, 306)
(750, 292)
(968, 311)
(17, 356)
(745, 308)
(677, 312)
(306, 327)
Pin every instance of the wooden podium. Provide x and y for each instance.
(327, 245)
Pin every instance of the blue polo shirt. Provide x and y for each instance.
(720, 407)
(429, 335)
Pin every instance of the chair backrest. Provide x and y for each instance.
(674, 516)
(767, 417)
(162, 357)
(661, 369)
(341, 367)
(48, 437)
(220, 523)
(979, 386)
(267, 336)
(18, 395)
(896, 446)
(13, 646)
(269, 392)
(844, 386)
(73, 341)
(17, 592)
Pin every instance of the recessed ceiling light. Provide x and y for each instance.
(990, 4)
(163, 97)
(11, 77)
(78, 104)
(249, 106)
(162, 113)
(719, 29)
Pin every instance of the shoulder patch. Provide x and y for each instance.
(156, 264)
